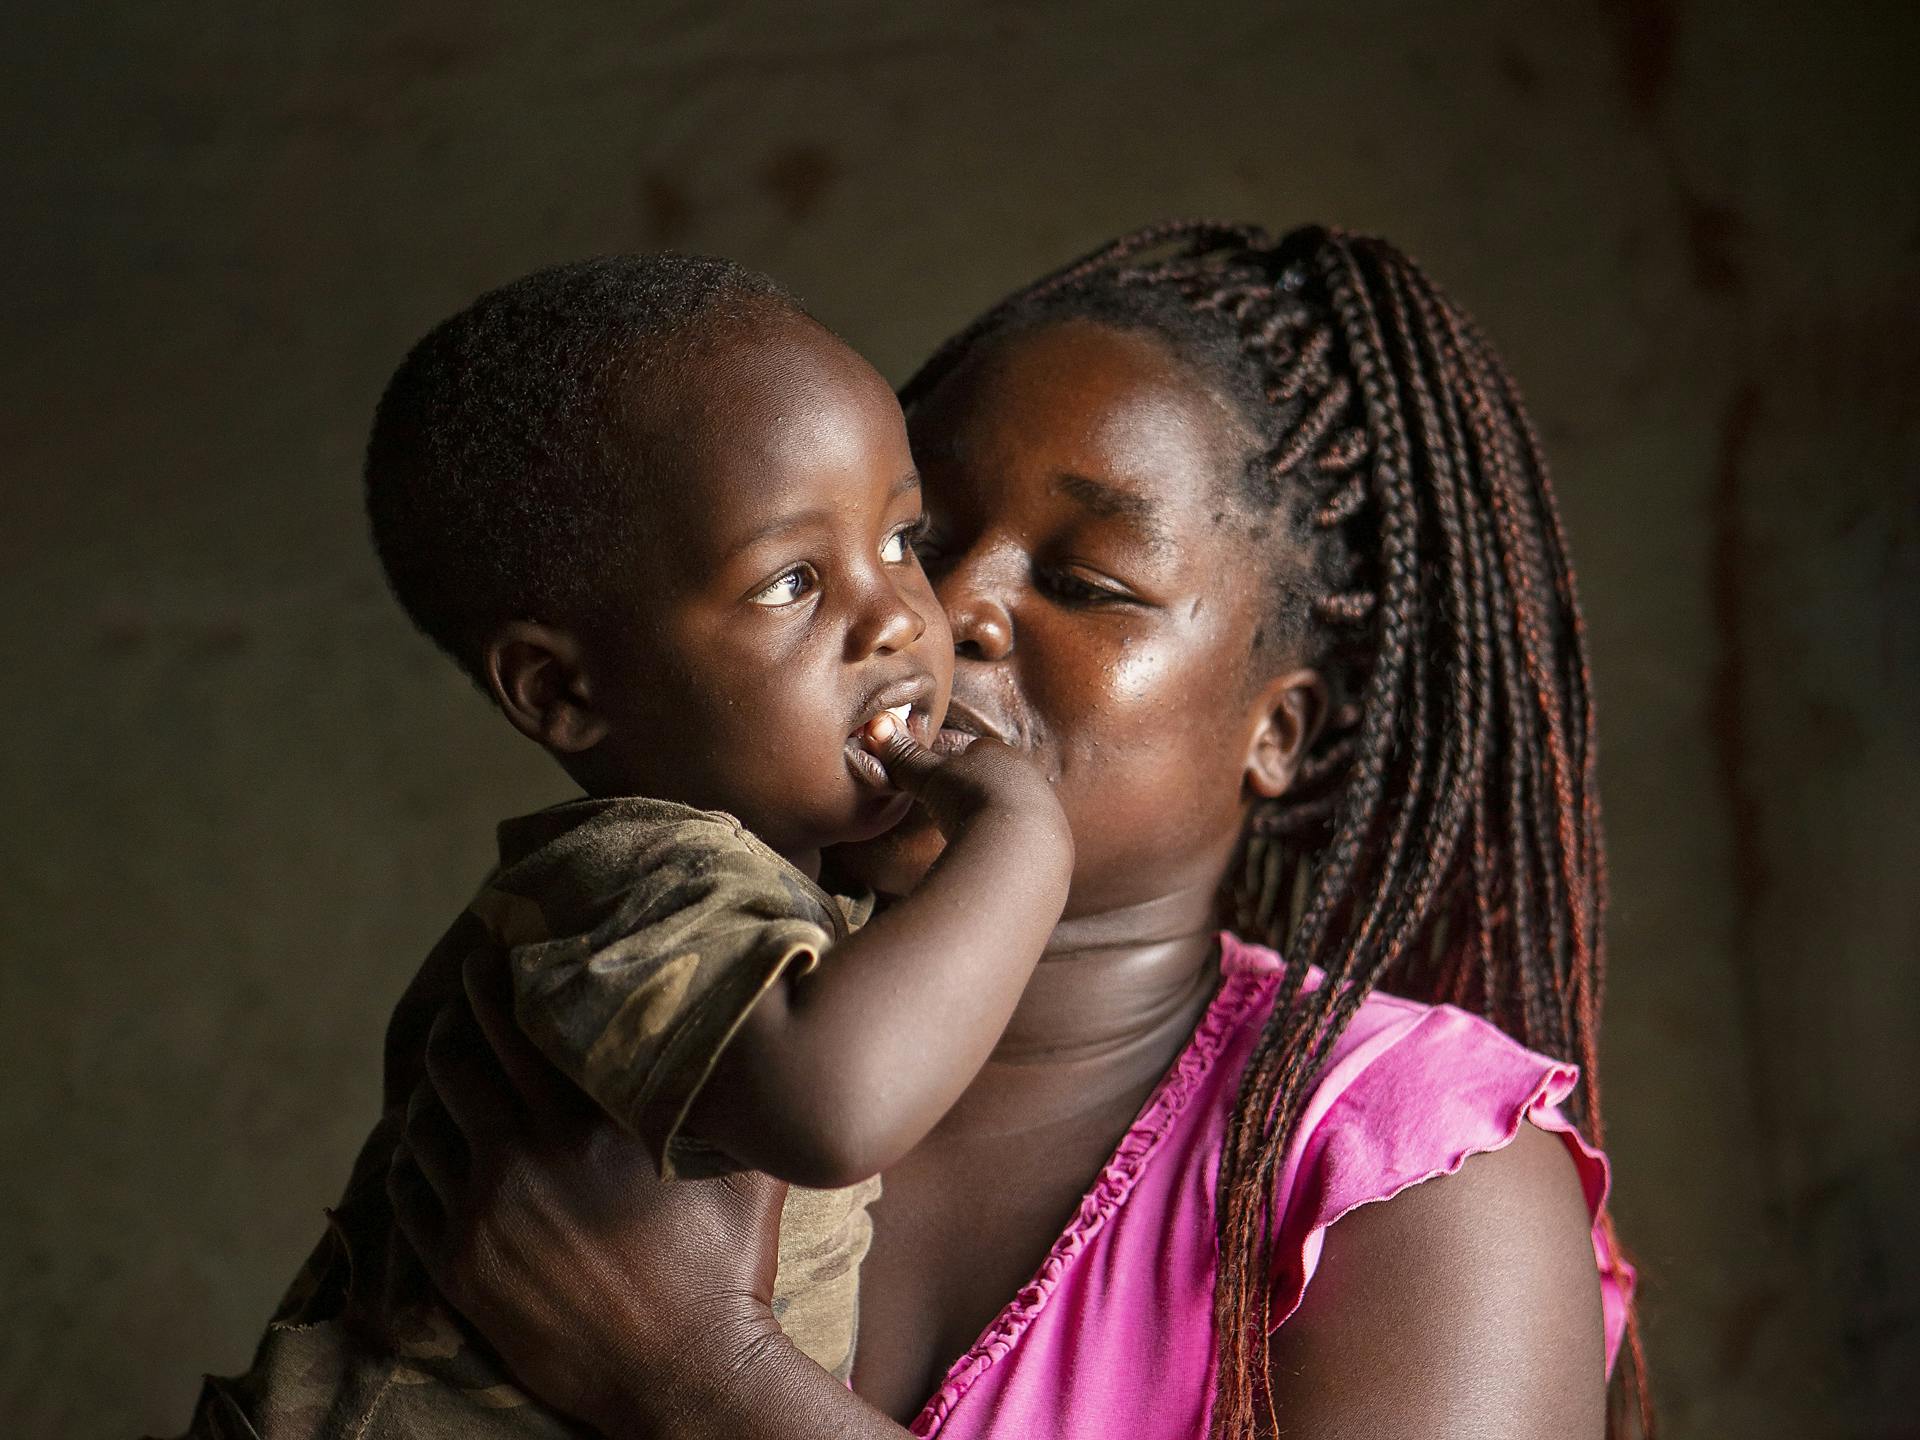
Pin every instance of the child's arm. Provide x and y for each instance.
(836, 1074)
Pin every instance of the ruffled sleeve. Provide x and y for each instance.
(1411, 1093)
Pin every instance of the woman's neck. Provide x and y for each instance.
(1106, 978)
(1113, 1000)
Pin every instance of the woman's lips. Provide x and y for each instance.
(951, 742)
(964, 725)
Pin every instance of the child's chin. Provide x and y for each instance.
(876, 816)
(895, 863)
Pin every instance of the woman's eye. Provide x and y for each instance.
(927, 546)
(788, 587)
(1076, 590)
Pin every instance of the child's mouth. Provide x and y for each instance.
(911, 716)
(908, 701)
(910, 711)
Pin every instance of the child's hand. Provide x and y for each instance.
(986, 777)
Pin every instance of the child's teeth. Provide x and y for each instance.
(900, 712)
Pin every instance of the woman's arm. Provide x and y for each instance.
(1468, 1305)
(635, 1305)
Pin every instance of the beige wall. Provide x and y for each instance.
(243, 797)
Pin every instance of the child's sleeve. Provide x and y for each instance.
(645, 952)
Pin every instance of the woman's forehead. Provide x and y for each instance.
(1077, 398)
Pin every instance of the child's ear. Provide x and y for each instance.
(538, 677)
(1288, 712)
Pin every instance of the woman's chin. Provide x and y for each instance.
(894, 862)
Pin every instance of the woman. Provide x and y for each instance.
(1251, 543)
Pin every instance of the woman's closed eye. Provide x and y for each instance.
(787, 588)
(929, 547)
(1078, 587)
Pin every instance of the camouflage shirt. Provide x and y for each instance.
(638, 933)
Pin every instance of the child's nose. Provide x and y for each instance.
(888, 623)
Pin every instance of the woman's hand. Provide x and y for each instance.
(614, 1296)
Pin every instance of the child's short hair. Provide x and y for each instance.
(501, 471)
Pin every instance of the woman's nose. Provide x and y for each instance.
(982, 624)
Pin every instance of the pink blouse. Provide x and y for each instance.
(1113, 1336)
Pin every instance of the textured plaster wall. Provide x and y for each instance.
(242, 797)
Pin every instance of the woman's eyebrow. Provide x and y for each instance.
(1113, 502)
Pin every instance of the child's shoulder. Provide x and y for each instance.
(605, 845)
(633, 859)
(627, 821)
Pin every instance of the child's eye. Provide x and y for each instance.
(899, 546)
(791, 585)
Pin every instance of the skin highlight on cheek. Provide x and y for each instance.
(1140, 671)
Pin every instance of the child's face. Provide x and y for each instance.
(780, 605)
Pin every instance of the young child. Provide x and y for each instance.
(665, 520)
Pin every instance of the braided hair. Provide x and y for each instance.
(1443, 835)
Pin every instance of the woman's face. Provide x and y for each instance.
(1105, 590)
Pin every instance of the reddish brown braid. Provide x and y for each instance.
(1444, 834)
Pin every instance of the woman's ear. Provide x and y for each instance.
(1288, 712)
(538, 677)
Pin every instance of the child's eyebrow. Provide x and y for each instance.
(780, 525)
(817, 515)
